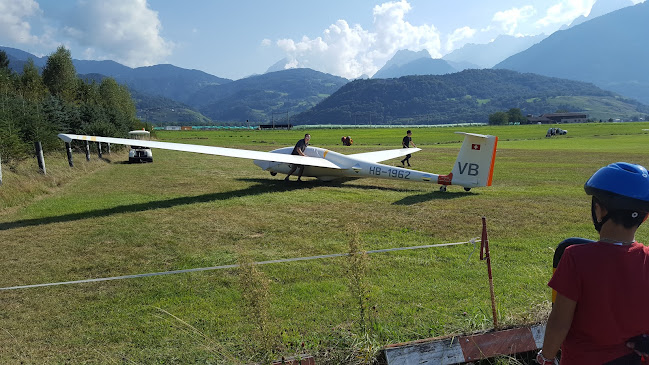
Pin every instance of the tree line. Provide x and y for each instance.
(512, 116)
(36, 106)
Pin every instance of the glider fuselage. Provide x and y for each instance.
(349, 167)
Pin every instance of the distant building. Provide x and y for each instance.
(552, 118)
(186, 128)
(538, 120)
(172, 128)
(275, 126)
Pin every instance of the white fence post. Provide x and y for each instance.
(87, 151)
(68, 150)
(39, 157)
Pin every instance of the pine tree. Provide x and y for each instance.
(59, 75)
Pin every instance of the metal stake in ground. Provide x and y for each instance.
(0, 170)
(87, 151)
(39, 157)
(485, 255)
(68, 150)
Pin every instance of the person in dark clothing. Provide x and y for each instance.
(299, 148)
(407, 141)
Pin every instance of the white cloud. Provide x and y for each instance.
(266, 42)
(459, 35)
(565, 12)
(13, 24)
(351, 51)
(126, 31)
(510, 19)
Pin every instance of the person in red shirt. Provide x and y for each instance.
(600, 312)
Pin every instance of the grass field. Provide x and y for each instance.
(104, 219)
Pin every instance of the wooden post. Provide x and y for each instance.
(99, 149)
(0, 170)
(87, 151)
(68, 149)
(108, 148)
(39, 157)
(485, 255)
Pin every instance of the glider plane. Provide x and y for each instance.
(473, 167)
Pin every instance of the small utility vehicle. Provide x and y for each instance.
(138, 153)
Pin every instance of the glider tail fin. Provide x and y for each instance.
(475, 163)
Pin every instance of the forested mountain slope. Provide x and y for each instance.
(467, 96)
(260, 97)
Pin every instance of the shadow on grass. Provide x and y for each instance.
(433, 195)
(269, 186)
(262, 186)
(413, 199)
(314, 183)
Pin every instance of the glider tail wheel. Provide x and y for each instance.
(442, 188)
(273, 173)
(467, 189)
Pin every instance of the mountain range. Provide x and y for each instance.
(269, 96)
(488, 55)
(600, 8)
(607, 50)
(406, 62)
(170, 95)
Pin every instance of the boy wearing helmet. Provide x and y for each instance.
(603, 287)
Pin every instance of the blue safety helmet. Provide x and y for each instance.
(620, 186)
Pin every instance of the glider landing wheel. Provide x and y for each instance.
(273, 173)
(442, 188)
(467, 189)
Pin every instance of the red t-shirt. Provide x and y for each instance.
(610, 284)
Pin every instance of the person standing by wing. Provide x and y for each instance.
(299, 148)
(600, 312)
(406, 142)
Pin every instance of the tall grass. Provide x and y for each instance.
(256, 298)
(367, 344)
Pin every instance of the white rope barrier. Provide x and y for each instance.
(473, 241)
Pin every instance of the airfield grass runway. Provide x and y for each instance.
(109, 218)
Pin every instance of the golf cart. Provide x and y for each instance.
(138, 153)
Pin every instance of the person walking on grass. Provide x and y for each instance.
(600, 312)
(406, 142)
(299, 149)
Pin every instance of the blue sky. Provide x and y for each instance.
(235, 39)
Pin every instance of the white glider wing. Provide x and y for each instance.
(378, 156)
(209, 150)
